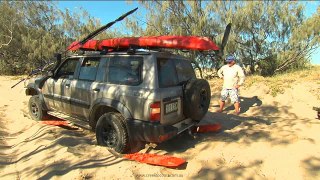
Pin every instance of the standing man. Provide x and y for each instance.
(233, 77)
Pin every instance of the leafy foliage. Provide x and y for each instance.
(39, 29)
(275, 35)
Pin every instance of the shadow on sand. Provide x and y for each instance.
(246, 103)
(184, 141)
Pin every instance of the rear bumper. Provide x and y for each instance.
(151, 132)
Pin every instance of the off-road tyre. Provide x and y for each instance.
(196, 99)
(111, 132)
(35, 108)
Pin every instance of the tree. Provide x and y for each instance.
(36, 30)
(304, 39)
(266, 34)
(274, 34)
(11, 28)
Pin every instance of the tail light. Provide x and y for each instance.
(155, 111)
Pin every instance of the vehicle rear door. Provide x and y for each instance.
(125, 83)
(172, 73)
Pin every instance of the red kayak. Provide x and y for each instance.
(172, 42)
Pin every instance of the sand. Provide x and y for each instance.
(273, 138)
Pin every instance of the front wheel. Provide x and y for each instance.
(111, 132)
(35, 108)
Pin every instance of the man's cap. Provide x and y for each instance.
(230, 58)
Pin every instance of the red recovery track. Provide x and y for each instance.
(172, 42)
(155, 159)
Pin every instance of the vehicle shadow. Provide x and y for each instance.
(185, 141)
(233, 127)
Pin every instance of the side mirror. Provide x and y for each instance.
(58, 57)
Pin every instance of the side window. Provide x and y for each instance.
(68, 68)
(125, 70)
(102, 70)
(184, 70)
(89, 68)
(167, 75)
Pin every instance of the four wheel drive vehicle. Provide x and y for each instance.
(127, 98)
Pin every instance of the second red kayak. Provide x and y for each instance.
(172, 42)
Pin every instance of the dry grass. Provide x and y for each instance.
(278, 83)
(16, 77)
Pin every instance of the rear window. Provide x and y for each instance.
(171, 72)
(125, 70)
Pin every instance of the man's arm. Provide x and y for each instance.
(241, 76)
(220, 71)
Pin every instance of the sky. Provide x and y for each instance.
(108, 11)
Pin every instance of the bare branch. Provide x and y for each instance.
(149, 24)
(292, 60)
(9, 36)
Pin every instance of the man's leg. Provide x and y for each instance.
(235, 99)
(237, 107)
(223, 98)
(222, 103)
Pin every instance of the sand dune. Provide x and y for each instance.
(273, 138)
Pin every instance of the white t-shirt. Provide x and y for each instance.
(232, 76)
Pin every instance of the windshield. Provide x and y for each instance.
(173, 72)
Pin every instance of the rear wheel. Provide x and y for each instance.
(35, 108)
(197, 95)
(111, 132)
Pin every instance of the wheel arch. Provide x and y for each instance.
(105, 106)
(32, 90)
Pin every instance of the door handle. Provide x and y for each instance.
(96, 89)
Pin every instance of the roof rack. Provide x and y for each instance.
(130, 50)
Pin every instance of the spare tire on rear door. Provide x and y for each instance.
(196, 98)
